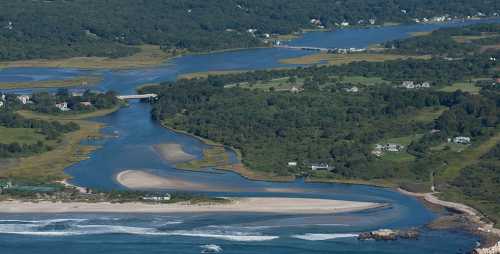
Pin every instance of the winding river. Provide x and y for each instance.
(130, 148)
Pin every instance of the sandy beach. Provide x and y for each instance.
(173, 153)
(258, 205)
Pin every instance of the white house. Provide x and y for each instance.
(345, 23)
(320, 166)
(462, 140)
(353, 89)
(86, 103)
(24, 99)
(158, 198)
(63, 106)
(408, 84)
(1, 104)
(292, 164)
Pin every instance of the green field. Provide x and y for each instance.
(429, 114)
(401, 156)
(464, 86)
(19, 135)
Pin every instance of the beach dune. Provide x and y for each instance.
(173, 153)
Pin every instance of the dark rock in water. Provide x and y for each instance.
(389, 234)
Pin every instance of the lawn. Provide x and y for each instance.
(339, 59)
(463, 86)
(361, 80)
(19, 135)
(428, 114)
(401, 156)
(456, 162)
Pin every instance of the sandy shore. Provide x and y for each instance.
(137, 179)
(475, 216)
(258, 205)
(173, 153)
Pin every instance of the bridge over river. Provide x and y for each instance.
(137, 96)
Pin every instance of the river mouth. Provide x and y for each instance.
(132, 134)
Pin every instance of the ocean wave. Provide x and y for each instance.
(323, 237)
(75, 230)
(210, 248)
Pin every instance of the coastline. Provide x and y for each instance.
(478, 223)
(249, 205)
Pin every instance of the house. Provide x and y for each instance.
(3, 98)
(462, 140)
(495, 249)
(408, 84)
(372, 21)
(86, 103)
(63, 106)
(345, 23)
(320, 166)
(76, 94)
(387, 148)
(25, 99)
(157, 197)
(1, 104)
(292, 164)
(426, 85)
(295, 89)
(353, 89)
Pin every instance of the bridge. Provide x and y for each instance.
(137, 96)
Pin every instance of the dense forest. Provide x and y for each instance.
(59, 28)
(322, 125)
(451, 42)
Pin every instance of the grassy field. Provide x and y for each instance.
(19, 135)
(464, 86)
(150, 55)
(68, 116)
(206, 74)
(338, 59)
(215, 156)
(429, 114)
(78, 81)
(282, 84)
(49, 166)
(456, 162)
(401, 156)
(470, 38)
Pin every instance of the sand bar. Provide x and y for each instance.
(258, 205)
(173, 153)
(137, 179)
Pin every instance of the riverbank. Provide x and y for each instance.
(257, 205)
(49, 166)
(173, 153)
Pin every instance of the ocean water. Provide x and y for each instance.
(130, 147)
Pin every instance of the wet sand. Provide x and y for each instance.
(137, 179)
(173, 153)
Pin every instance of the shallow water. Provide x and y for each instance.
(135, 133)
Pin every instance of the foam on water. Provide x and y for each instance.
(323, 237)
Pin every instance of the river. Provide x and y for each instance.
(134, 133)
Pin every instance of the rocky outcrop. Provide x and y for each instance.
(495, 249)
(389, 234)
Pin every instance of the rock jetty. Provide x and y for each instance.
(389, 234)
(495, 249)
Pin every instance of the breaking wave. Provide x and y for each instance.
(323, 237)
(74, 227)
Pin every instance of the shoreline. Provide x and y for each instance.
(478, 223)
(248, 205)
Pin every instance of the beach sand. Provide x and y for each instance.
(173, 153)
(137, 179)
(258, 205)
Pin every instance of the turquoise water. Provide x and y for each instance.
(133, 134)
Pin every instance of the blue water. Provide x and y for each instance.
(129, 146)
